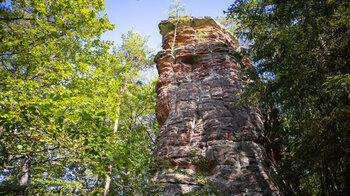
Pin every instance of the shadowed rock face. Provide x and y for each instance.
(206, 142)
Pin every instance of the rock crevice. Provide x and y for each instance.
(206, 142)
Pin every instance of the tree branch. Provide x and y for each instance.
(16, 18)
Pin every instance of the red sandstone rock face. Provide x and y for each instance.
(203, 133)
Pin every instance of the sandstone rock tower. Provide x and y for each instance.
(206, 144)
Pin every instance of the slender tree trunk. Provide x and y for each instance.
(23, 181)
(122, 92)
(116, 122)
(108, 181)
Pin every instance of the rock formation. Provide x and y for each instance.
(206, 144)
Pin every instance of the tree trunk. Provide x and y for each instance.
(116, 122)
(23, 181)
(108, 180)
(122, 92)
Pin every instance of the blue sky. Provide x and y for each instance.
(144, 16)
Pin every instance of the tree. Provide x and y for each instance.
(137, 129)
(52, 67)
(134, 54)
(176, 17)
(300, 52)
(61, 92)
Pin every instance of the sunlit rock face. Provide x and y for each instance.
(206, 144)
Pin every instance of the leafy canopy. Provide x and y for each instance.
(300, 52)
(60, 92)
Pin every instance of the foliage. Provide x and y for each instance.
(60, 93)
(134, 51)
(176, 16)
(301, 73)
(227, 22)
(232, 25)
(176, 9)
(137, 128)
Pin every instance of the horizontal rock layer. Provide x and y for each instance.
(206, 142)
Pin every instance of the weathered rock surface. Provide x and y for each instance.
(206, 142)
